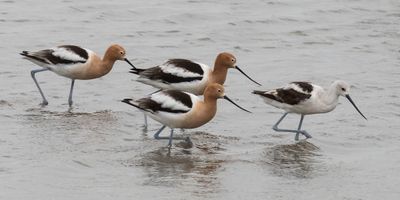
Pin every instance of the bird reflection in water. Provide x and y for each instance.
(298, 159)
(194, 169)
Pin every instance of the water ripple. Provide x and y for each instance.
(293, 159)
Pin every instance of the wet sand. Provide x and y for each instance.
(99, 150)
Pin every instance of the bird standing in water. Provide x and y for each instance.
(188, 76)
(305, 98)
(177, 109)
(75, 63)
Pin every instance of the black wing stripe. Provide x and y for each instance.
(291, 96)
(288, 96)
(180, 96)
(58, 60)
(155, 73)
(188, 65)
(149, 104)
(47, 55)
(77, 50)
(305, 86)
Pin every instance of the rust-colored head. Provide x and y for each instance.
(225, 59)
(216, 91)
(223, 62)
(115, 52)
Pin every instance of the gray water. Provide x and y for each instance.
(98, 150)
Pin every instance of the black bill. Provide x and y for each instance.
(129, 62)
(351, 101)
(225, 97)
(246, 75)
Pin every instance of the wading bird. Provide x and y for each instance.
(187, 75)
(177, 109)
(305, 98)
(75, 63)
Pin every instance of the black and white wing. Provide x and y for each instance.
(66, 54)
(292, 94)
(170, 101)
(175, 71)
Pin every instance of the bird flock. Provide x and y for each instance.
(180, 83)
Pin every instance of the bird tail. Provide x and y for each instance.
(259, 92)
(34, 57)
(132, 103)
(267, 95)
(24, 53)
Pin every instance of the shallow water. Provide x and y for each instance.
(98, 150)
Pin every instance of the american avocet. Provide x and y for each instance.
(75, 63)
(305, 98)
(187, 75)
(177, 109)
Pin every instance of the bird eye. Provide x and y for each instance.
(343, 89)
(121, 52)
(233, 60)
(219, 90)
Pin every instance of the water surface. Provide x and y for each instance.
(98, 150)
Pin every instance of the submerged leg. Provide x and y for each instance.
(301, 131)
(145, 116)
(145, 121)
(70, 93)
(33, 72)
(171, 136)
(157, 134)
(275, 127)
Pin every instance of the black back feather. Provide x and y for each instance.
(156, 73)
(288, 96)
(47, 56)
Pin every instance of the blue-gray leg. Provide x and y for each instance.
(171, 136)
(33, 72)
(145, 116)
(145, 121)
(157, 134)
(70, 93)
(275, 127)
(301, 131)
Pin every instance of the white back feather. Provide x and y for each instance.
(167, 101)
(177, 71)
(66, 54)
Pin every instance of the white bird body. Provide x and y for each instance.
(319, 101)
(195, 83)
(177, 120)
(302, 98)
(77, 71)
(178, 109)
(187, 75)
(71, 61)
(305, 98)
(74, 62)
